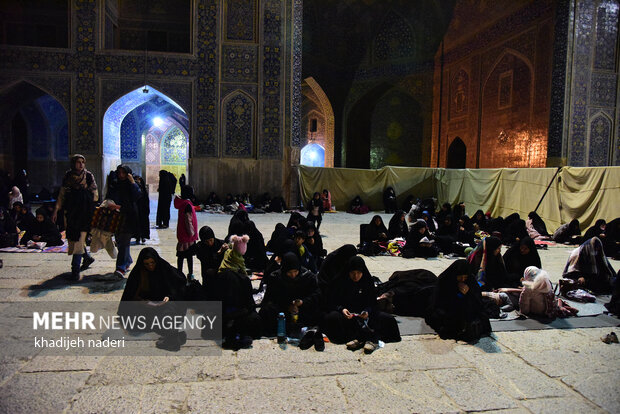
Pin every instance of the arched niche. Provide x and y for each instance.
(316, 105)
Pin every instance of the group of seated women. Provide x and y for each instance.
(37, 228)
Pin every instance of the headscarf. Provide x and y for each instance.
(373, 230)
(516, 262)
(482, 256)
(447, 287)
(290, 261)
(334, 264)
(165, 280)
(536, 279)
(206, 233)
(595, 231)
(538, 223)
(15, 196)
(397, 227)
(589, 259)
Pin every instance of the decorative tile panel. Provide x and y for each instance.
(606, 35)
(238, 125)
(240, 20)
(600, 134)
(174, 147)
(394, 27)
(297, 70)
(603, 92)
(130, 139)
(239, 64)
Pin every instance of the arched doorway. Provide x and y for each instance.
(33, 136)
(134, 128)
(317, 120)
(457, 154)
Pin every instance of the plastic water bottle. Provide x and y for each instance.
(281, 328)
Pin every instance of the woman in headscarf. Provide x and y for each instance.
(375, 233)
(487, 264)
(480, 220)
(398, 226)
(77, 197)
(315, 209)
(518, 257)
(15, 196)
(419, 242)
(326, 197)
(456, 310)
(42, 230)
(209, 250)
(8, 229)
(144, 209)
(278, 236)
(514, 229)
(333, 265)
(353, 314)
(156, 286)
(589, 266)
(167, 184)
(430, 221)
(537, 297)
(292, 290)
(536, 227)
(314, 243)
(598, 230)
(187, 234)
(357, 206)
(568, 233)
(446, 236)
(389, 200)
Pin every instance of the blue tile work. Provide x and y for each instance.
(394, 27)
(240, 20)
(130, 139)
(270, 134)
(558, 79)
(38, 133)
(594, 84)
(56, 118)
(297, 69)
(603, 92)
(88, 81)
(600, 134)
(239, 63)
(606, 35)
(239, 114)
(61, 149)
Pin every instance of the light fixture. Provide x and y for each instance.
(157, 121)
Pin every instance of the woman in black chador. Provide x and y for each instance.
(144, 210)
(315, 210)
(389, 200)
(375, 233)
(167, 183)
(334, 264)
(42, 230)
(456, 310)
(487, 264)
(294, 291)
(419, 242)
(517, 258)
(398, 225)
(353, 313)
(156, 286)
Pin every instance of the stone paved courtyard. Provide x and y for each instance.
(540, 371)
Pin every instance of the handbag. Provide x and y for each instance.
(566, 285)
(105, 219)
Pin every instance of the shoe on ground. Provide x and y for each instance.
(119, 274)
(169, 343)
(307, 340)
(610, 338)
(370, 347)
(319, 343)
(354, 345)
(86, 262)
(74, 277)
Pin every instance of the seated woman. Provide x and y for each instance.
(480, 220)
(536, 227)
(389, 200)
(456, 310)
(358, 207)
(156, 286)
(375, 233)
(333, 265)
(353, 314)
(514, 229)
(8, 230)
(292, 290)
(42, 230)
(517, 258)
(568, 233)
(597, 230)
(326, 197)
(419, 242)
(209, 250)
(537, 297)
(408, 292)
(487, 264)
(314, 243)
(398, 226)
(589, 266)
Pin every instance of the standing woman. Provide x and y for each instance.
(327, 200)
(315, 210)
(166, 189)
(77, 196)
(144, 210)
